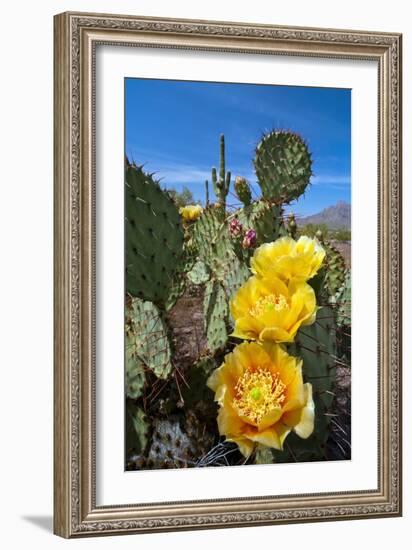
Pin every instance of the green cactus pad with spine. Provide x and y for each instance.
(170, 445)
(199, 274)
(178, 442)
(176, 290)
(215, 315)
(283, 166)
(243, 191)
(235, 275)
(211, 238)
(264, 218)
(267, 224)
(316, 345)
(135, 375)
(154, 237)
(146, 339)
(334, 269)
(137, 429)
(343, 300)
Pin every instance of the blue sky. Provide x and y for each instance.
(173, 128)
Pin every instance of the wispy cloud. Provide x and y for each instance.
(182, 174)
(336, 181)
(173, 170)
(187, 174)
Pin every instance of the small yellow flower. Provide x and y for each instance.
(288, 259)
(191, 212)
(262, 397)
(267, 309)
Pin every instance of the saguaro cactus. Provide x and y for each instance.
(221, 184)
(207, 193)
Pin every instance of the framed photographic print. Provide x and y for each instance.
(227, 274)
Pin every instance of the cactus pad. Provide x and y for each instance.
(211, 238)
(283, 166)
(215, 315)
(334, 269)
(264, 218)
(146, 339)
(154, 237)
(242, 188)
(316, 345)
(137, 429)
(235, 275)
(199, 274)
(135, 375)
(343, 300)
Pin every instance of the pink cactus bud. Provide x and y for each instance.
(235, 227)
(249, 240)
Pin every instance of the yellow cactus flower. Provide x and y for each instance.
(288, 259)
(262, 397)
(191, 212)
(267, 309)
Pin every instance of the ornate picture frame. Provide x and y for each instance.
(76, 36)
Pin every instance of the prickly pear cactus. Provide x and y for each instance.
(170, 444)
(177, 443)
(137, 429)
(135, 375)
(176, 290)
(343, 318)
(147, 343)
(206, 262)
(267, 223)
(316, 345)
(211, 238)
(215, 315)
(283, 166)
(154, 237)
(199, 274)
(179, 281)
(235, 275)
(343, 300)
(264, 218)
(292, 226)
(334, 269)
(243, 191)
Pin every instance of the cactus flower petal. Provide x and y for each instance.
(303, 419)
(288, 259)
(261, 397)
(191, 212)
(267, 309)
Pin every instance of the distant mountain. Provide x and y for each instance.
(335, 217)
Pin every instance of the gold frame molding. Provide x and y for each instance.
(76, 36)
